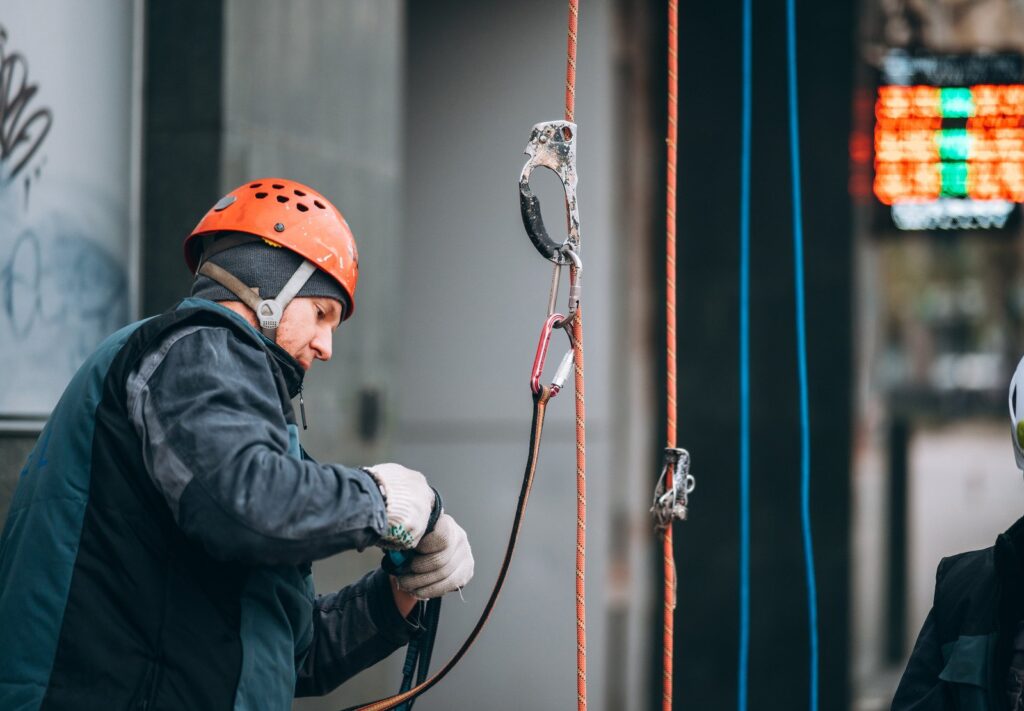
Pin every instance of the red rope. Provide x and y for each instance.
(581, 437)
(670, 316)
(570, 64)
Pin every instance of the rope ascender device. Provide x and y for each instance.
(551, 145)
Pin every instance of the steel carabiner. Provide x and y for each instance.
(542, 353)
(672, 493)
(552, 145)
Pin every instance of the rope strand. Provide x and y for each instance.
(668, 552)
(581, 514)
(744, 621)
(581, 437)
(801, 341)
(570, 62)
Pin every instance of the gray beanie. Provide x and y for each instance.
(258, 264)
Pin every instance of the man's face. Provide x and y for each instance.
(307, 326)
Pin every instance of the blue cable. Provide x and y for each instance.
(801, 340)
(744, 643)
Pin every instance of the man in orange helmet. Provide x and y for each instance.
(157, 551)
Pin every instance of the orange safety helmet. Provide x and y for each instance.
(291, 215)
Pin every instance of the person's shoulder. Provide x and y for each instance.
(188, 347)
(967, 563)
(965, 587)
(969, 559)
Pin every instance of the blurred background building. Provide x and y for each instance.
(122, 121)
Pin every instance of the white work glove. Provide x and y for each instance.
(444, 562)
(408, 500)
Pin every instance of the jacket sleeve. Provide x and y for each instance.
(215, 443)
(353, 629)
(920, 688)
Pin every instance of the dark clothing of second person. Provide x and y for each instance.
(962, 658)
(157, 550)
(1015, 677)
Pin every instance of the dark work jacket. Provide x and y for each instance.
(962, 655)
(157, 551)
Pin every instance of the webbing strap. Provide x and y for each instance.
(216, 243)
(540, 401)
(229, 281)
(295, 283)
(268, 311)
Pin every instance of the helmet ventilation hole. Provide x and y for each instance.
(277, 186)
(260, 196)
(302, 208)
(319, 204)
(282, 198)
(299, 193)
(255, 185)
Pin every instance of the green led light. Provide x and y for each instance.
(956, 102)
(954, 144)
(954, 179)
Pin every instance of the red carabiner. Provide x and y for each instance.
(542, 353)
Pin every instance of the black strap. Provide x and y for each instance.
(421, 647)
(417, 657)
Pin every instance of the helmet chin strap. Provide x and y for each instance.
(268, 311)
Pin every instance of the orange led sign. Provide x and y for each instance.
(949, 142)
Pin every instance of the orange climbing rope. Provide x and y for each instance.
(675, 483)
(570, 63)
(668, 553)
(581, 417)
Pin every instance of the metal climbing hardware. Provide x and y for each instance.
(575, 290)
(575, 282)
(553, 146)
(672, 494)
(553, 321)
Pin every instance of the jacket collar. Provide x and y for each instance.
(290, 368)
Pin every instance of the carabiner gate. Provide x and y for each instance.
(552, 145)
(542, 353)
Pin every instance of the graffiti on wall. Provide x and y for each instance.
(70, 288)
(63, 277)
(23, 126)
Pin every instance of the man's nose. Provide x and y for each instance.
(322, 345)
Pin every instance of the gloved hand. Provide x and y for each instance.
(444, 561)
(408, 500)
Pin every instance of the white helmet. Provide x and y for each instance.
(1017, 413)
